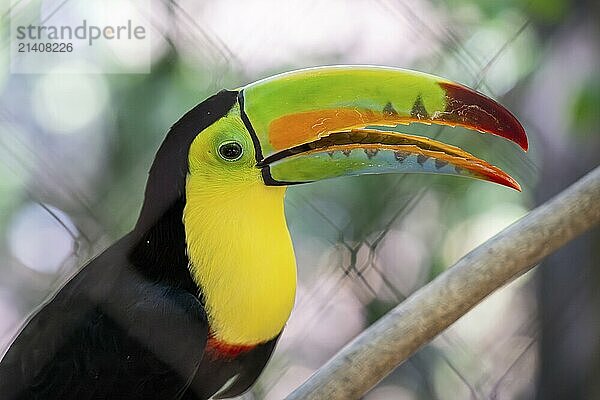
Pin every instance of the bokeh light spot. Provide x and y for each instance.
(66, 103)
(38, 240)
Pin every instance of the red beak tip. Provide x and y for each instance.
(524, 142)
(474, 110)
(511, 183)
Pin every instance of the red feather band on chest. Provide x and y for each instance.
(219, 349)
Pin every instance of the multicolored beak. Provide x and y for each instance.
(321, 123)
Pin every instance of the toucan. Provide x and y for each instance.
(190, 303)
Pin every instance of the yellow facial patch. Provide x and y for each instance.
(238, 243)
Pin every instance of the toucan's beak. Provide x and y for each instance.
(321, 123)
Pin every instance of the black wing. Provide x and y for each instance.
(108, 333)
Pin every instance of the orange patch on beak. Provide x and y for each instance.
(295, 129)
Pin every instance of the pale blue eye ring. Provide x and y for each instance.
(231, 151)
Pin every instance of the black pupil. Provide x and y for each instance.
(230, 151)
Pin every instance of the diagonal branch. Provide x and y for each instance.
(390, 341)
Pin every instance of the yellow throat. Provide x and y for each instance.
(241, 256)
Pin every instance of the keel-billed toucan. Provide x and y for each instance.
(197, 294)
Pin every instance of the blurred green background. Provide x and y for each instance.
(75, 150)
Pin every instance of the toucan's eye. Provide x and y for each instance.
(231, 151)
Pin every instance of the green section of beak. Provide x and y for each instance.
(360, 152)
(294, 108)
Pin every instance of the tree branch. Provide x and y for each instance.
(372, 355)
